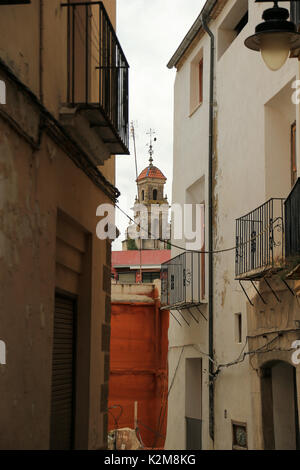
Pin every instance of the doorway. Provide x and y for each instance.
(63, 374)
(193, 403)
(280, 415)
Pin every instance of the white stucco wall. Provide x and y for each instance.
(253, 107)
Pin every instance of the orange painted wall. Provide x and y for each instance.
(138, 369)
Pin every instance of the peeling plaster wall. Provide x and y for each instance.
(242, 165)
(244, 173)
(34, 186)
(190, 165)
(39, 181)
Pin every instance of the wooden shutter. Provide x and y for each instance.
(62, 393)
(201, 81)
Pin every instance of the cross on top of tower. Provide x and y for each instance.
(151, 133)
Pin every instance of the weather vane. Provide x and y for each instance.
(151, 133)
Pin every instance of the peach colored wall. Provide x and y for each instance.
(39, 180)
(139, 351)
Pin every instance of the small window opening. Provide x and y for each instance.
(238, 328)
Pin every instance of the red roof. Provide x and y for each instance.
(151, 172)
(132, 257)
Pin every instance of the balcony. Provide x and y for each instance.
(268, 239)
(183, 281)
(260, 241)
(97, 81)
(292, 232)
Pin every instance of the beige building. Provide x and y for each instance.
(65, 117)
(235, 385)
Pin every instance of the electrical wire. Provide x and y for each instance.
(261, 350)
(225, 250)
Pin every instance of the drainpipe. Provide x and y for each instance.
(41, 78)
(210, 224)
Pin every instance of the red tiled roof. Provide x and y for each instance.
(151, 172)
(132, 257)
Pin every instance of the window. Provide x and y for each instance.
(155, 195)
(238, 328)
(239, 436)
(143, 195)
(196, 82)
(150, 277)
(201, 81)
(293, 154)
(127, 278)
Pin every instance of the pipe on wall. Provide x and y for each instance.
(41, 71)
(204, 18)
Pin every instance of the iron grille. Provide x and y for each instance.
(292, 223)
(295, 12)
(182, 281)
(260, 240)
(97, 69)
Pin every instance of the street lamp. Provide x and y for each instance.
(276, 37)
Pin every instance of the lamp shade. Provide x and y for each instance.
(275, 50)
(275, 38)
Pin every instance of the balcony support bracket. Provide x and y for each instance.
(179, 311)
(197, 307)
(272, 290)
(289, 288)
(190, 312)
(175, 318)
(258, 292)
(251, 303)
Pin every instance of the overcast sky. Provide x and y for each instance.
(150, 31)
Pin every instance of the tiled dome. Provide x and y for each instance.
(151, 172)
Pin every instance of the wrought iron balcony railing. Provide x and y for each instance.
(182, 281)
(260, 242)
(292, 231)
(98, 73)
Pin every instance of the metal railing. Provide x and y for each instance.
(292, 223)
(182, 281)
(260, 242)
(97, 67)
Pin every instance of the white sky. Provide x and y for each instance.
(150, 31)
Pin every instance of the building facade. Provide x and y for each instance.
(64, 118)
(136, 266)
(236, 385)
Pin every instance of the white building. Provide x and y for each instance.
(250, 158)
